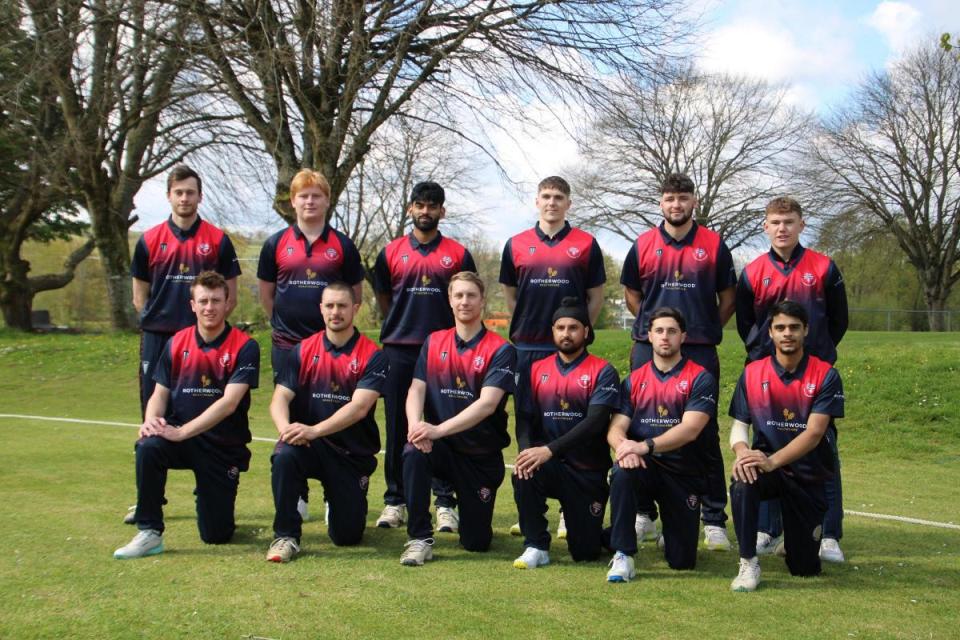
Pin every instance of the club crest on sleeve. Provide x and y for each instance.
(404, 258)
(764, 385)
(531, 250)
(766, 281)
(163, 247)
(659, 252)
(544, 377)
(186, 352)
(443, 356)
(316, 359)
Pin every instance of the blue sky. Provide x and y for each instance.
(819, 49)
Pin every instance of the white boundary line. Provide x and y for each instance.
(849, 512)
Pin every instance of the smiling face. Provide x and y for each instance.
(677, 207)
(338, 309)
(426, 216)
(783, 228)
(787, 333)
(210, 307)
(553, 204)
(466, 300)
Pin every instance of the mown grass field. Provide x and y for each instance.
(64, 488)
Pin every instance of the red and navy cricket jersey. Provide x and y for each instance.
(560, 395)
(197, 374)
(455, 372)
(416, 276)
(686, 274)
(169, 258)
(778, 404)
(808, 278)
(301, 271)
(323, 378)
(545, 271)
(655, 402)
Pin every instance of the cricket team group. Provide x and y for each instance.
(647, 444)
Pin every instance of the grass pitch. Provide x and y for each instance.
(64, 488)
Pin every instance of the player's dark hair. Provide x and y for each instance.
(468, 276)
(668, 312)
(340, 285)
(792, 309)
(677, 183)
(210, 280)
(784, 204)
(554, 182)
(428, 192)
(182, 172)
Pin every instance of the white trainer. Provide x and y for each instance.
(147, 542)
(416, 552)
(621, 568)
(646, 528)
(767, 544)
(562, 527)
(392, 516)
(532, 558)
(448, 520)
(303, 508)
(749, 576)
(715, 538)
(830, 550)
(283, 550)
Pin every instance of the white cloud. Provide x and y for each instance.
(899, 23)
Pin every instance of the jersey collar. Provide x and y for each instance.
(347, 346)
(794, 256)
(560, 235)
(300, 235)
(785, 376)
(216, 342)
(183, 234)
(424, 247)
(565, 368)
(463, 345)
(684, 241)
(663, 375)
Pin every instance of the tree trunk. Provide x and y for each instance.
(110, 231)
(935, 295)
(16, 299)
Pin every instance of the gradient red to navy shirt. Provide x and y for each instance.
(418, 286)
(170, 261)
(301, 272)
(655, 403)
(324, 378)
(562, 397)
(455, 377)
(778, 405)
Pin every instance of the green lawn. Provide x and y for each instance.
(64, 488)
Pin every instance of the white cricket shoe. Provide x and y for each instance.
(715, 538)
(646, 528)
(767, 544)
(532, 558)
(621, 568)
(147, 542)
(416, 552)
(283, 550)
(392, 516)
(448, 520)
(830, 550)
(749, 577)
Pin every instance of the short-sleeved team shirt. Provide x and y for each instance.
(169, 258)
(455, 372)
(808, 278)
(561, 394)
(686, 274)
(301, 271)
(416, 276)
(324, 377)
(197, 373)
(778, 404)
(655, 402)
(545, 270)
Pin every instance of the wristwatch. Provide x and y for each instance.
(650, 445)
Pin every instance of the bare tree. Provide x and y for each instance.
(735, 137)
(316, 79)
(35, 202)
(894, 154)
(114, 65)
